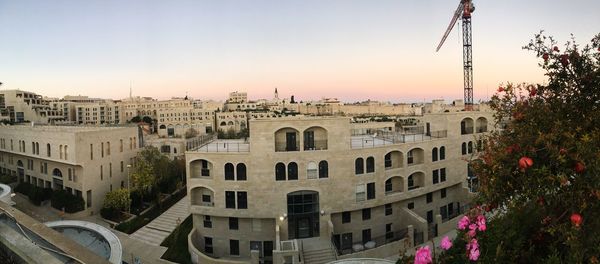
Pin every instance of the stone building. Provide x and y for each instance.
(323, 187)
(86, 161)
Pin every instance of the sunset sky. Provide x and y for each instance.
(349, 49)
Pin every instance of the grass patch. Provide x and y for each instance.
(177, 243)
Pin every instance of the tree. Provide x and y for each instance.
(118, 199)
(143, 177)
(190, 133)
(147, 119)
(136, 119)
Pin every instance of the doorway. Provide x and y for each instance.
(303, 214)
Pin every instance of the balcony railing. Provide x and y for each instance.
(466, 130)
(225, 147)
(316, 145)
(382, 138)
(374, 242)
(281, 146)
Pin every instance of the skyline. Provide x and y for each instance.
(351, 50)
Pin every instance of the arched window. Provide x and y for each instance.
(241, 171)
(323, 169)
(66, 152)
(37, 148)
(388, 186)
(311, 170)
(60, 151)
(280, 172)
(229, 172)
(48, 150)
(442, 153)
(387, 160)
(292, 171)
(57, 173)
(359, 166)
(470, 147)
(223, 123)
(411, 182)
(434, 154)
(464, 148)
(370, 164)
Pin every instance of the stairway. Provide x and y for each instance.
(318, 256)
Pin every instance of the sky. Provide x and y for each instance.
(347, 49)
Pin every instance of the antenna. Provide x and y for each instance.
(130, 97)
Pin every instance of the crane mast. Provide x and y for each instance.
(464, 10)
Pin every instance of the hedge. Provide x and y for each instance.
(71, 203)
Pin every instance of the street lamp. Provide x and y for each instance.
(128, 187)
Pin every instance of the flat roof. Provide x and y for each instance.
(71, 129)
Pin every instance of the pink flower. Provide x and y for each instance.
(471, 233)
(481, 223)
(472, 226)
(446, 243)
(474, 254)
(463, 223)
(423, 255)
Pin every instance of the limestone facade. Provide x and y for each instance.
(301, 177)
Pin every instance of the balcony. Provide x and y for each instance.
(225, 146)
(383, 138)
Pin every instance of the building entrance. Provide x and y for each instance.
(303, 214)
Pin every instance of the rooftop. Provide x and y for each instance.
(67, 129)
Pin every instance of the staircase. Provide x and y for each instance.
(318, 256)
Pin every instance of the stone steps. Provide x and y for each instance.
(318, 256)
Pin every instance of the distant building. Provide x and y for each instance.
(86, 161)
(20, 106)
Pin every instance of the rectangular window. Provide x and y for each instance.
(436, 176)
(102, 150)
(443, 193)
(370, 190)
(89, 198)
(442, 174)
(444, 212)
(242, 201)
(388, 209)
(208, 245)
(120, 145)
(108, 148)
(101, 173)
(388, 231)
(230, 199)
(121, 166)
(91, 151)
(234, 247)
(233, 223)
(346, 217)
(430, 217)
(366, 235)
(360, 192)
(366, 214)
(411, 206)
(429, 197)
(110, 170)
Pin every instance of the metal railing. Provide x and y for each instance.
(382, 138)
(316, 145)
(374, 242)
(281, 146)
(225, 147)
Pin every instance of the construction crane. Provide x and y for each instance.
(464, 10)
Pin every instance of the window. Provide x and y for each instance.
(442, 174)
(388, 231)
(370, 164)
(370, 190)
(411, 182)
(204, 171)
(121, 166)
(66, 152)
(241, 171)
(242, 201)
(280, 172)
(360, 192)
(442, 153)
(208, 245)
(233, 223)
(120, 145)
(346, 217)
(388, 160)
(108, 148)
(292, 171)
(102, 150)
(430, 216)
(443, 193)
(206, 198)
(434, 154)
(429, 197)
(411, 206)
(464, 148)
(101, 172)
(388, 186)
(311, 170)
(366, 214)
(48, 150)
(359, 166)
(323, 169)
(366, 235)
(230, 199)
(388, 209)
(234, 247)
(229, 172)
(91, 151)
(410, 157)
(207, 221)
(436, 176)
(470, 147)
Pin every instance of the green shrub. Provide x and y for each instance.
(23, 188)
(71, 203)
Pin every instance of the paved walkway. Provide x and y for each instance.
(156, 231)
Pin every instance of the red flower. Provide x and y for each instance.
(579, 167)
(525, 162)
(532, 91)
(545, 56)
(562, 151)
(500, 89)
(576, 219)
(564, 60)
(556, 49)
